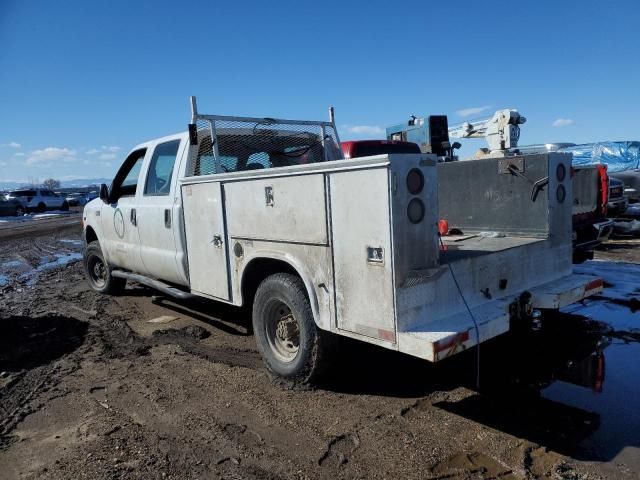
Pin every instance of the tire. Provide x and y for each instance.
(41, 208)
(98, 273)
(286, 334)
(65, 207)
(20, 211)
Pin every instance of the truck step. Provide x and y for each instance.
(155, 284)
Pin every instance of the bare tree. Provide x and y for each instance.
(51, 183)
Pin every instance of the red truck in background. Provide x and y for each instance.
(366, 148)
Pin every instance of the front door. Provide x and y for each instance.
(157, 212)
(120, 242)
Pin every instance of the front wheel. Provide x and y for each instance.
(98, 273)
(65, 207)
(41, 208)
(286, 334)
(19, 211)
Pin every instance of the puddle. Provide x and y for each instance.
(615, 396)
(616, 400)
(4, 280)
(47, 263)
(574, 386)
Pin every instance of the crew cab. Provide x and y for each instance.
(267, 213)
(38, 199)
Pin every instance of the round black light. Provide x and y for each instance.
(415, 210)
(561, 172)
(561, 193)
(415, 181)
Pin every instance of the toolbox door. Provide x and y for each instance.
(361, 240)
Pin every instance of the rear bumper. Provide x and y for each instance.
(445, 337)
(565, 291)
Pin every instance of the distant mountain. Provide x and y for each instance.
(77, 183)
(84, 182)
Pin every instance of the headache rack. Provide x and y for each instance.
(229, 144)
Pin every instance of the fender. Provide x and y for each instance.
(321, 312)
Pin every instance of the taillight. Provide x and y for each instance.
(561, 172)
(415, 210)
(415, 181)
(604, 187)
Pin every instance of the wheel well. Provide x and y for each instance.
(259, 269)
(90, 235)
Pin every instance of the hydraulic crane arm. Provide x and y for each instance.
(501, 131)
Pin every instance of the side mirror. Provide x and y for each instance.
(104, 193)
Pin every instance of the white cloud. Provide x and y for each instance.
(368, 130)
(563, 122)
(467, 112)
(49, 155)
(15, 145)
(106, 149)
(107, 156)
(19, 154)
(3, 164)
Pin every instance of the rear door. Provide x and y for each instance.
(204, 224)
(157, 206)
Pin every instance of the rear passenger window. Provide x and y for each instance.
(161, 168)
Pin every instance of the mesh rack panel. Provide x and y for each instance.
(231, 145)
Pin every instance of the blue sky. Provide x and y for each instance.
(81, 82)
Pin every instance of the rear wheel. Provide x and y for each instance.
(41, 207)
(98, 273)
(19, 211)
(65, 207)
(286, 334)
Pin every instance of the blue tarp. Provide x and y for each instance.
(619, 156)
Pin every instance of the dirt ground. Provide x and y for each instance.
(138, 386)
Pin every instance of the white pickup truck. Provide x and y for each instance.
(267, 213)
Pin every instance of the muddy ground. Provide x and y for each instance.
(138, 386)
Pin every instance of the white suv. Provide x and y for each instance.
(39, 199)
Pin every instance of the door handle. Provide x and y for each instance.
(217, 241)
(167, 218)
(133, 217)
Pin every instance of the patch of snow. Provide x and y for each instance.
(4, 280)
(76, 243)
(60, 260)
(633, 210)
(51, 214)
(623, 280)
(12, 264)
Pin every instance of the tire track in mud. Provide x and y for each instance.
(38, 350)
